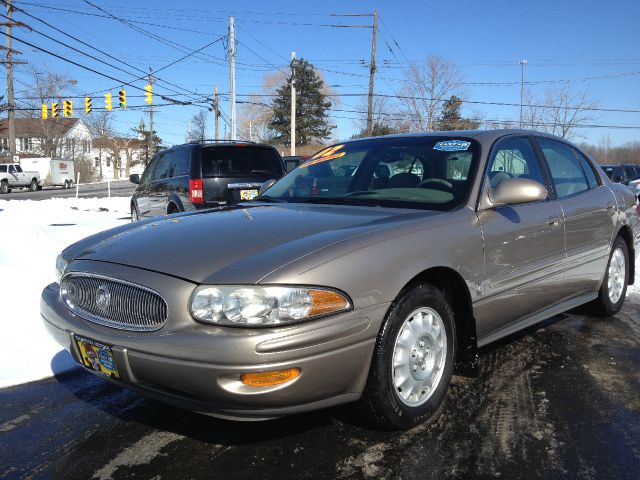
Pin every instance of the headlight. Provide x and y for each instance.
(257, 306)
(61, 265)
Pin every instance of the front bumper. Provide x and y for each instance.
(198, 367)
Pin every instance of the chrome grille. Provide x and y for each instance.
(113, 303)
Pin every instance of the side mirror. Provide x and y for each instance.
(512, 191)
(135, 178)
(266, 186)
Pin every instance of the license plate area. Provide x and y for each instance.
(97, 357)
(248, 194)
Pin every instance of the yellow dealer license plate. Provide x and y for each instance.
(97, 356)
(248, 194)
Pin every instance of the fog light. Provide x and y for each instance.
(269, 379)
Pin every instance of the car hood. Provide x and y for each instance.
(237, 244)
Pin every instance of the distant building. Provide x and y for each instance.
(61, 137)
(108, 157)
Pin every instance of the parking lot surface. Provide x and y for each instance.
(560, 400)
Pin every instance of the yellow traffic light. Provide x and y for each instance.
(149, 93)
(87, 105)
(107, 101)
(122, 98)
(45, 111)
(54, 110)
(67, 108)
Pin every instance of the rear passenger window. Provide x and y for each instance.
(566, 172)
(165, 166)
(181, 161)
(514, 158)
(588, 170)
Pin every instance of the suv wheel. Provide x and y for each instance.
(33, 186)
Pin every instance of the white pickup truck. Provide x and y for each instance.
(12, 176)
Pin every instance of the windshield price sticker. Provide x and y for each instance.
(325, 155)
(452, 145)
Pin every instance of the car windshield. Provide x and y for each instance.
(429, 172)
(240, 161)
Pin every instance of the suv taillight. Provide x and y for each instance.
(196, 195)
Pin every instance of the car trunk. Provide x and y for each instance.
(232, 173)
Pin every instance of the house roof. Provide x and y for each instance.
(31, 127)
(107, 142)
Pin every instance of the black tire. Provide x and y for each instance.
(39, 187)
(33, 186)
(604, 306)
(381, 400)
(4, 187)
(66, 185)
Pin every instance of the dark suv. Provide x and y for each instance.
(202, 175)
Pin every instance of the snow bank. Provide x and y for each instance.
(32, 234)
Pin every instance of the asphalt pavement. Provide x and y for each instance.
(120, 188)
(559, 400)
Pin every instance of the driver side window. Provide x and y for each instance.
(514, 158)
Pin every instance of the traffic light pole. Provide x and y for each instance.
(10, 62)
(217, 114)
(150, 138)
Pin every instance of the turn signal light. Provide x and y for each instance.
(269, 379)
(196, 195)
(326, 301)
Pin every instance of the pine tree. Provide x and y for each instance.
(312, 123)
(451, 118)
(143, 135)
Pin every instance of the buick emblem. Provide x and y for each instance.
(103, 297)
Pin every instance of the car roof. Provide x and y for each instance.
(483, 136)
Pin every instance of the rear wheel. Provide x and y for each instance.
(614, 286)
(413, 360)
(33, 186)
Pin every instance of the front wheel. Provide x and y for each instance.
(413, 360)
(614, 286)
(4, 187)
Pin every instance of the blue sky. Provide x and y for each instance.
(562, 40)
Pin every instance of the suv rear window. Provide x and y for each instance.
(239, 161)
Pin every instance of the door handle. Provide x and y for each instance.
(553, 220)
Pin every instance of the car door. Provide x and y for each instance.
(159, 188)
(141, 195)
(15, 178)
(524, 245)
(589, 214)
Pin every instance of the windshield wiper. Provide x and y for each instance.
(333, 200)
(267, 199)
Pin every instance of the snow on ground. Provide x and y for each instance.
(33, 233)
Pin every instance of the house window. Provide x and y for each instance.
(97, 163)
(26, 144)
(108, 161)
(4, 144)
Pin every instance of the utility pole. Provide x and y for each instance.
(372, 71)
(293, 105)
(232, 74)
(150, 138)
(10, 62)
(522, 64)
(217, 113)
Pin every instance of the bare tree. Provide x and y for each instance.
(102, 131)
(563, 111)
(198, 129)
(47, 87)
(425, 90)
